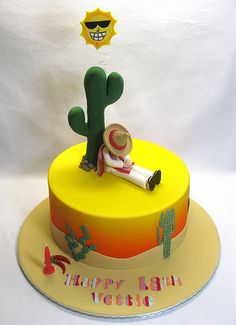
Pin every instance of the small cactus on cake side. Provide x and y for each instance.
(167, 223)
(101, 91)
(79, 248)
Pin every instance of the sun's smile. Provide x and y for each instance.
(98, 36)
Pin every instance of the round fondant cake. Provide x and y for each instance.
(122, 222)
(135, 218)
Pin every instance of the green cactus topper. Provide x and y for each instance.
(74, 244)
(167, 222)
(101, 91)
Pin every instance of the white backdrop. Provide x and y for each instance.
(178, 62)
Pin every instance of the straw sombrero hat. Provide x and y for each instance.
(117, 139)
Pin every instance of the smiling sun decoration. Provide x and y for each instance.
(98, 28)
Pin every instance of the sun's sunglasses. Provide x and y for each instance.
(94, 24)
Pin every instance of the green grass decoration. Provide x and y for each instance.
(74, 244)
(101, 91)
(167, 223)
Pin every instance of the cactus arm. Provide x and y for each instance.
(161, 225)
(76, 121)
(173, 215)
(115, 86)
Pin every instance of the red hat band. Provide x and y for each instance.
(113, 143)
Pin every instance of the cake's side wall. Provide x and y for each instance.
(99, 260)
(117, 237)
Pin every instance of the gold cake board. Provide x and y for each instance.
(137, 292)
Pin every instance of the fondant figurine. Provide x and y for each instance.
(53, 259)
(113, 157)
(98, 28)
(101, 91)
(48, 267)
(60, 260)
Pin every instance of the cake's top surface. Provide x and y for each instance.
(111, 196)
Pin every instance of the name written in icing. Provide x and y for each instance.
(155, 283)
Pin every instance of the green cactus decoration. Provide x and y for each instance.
(167, 222)
(74, 244)
(100, 92)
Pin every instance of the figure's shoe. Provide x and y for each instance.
(157, 174)
(154, 180)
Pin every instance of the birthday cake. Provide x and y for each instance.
(107, 221)
(119, 227)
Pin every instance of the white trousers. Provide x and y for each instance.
(138, 175)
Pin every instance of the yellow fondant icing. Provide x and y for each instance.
(121, 217)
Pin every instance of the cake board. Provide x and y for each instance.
(131, 293)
